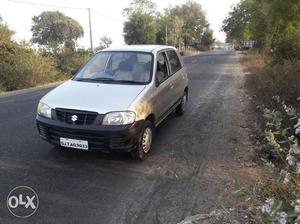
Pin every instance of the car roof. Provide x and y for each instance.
(141, 48)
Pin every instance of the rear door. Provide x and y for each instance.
(177, 79)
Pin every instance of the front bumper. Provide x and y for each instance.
(100, 138)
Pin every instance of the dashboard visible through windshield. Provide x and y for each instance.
(118, 67)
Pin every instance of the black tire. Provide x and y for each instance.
(140, 153)
(180, 109)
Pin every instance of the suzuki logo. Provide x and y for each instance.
(74, 118)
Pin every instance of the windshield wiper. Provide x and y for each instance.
(104, 79)
(130, 81)
(107, 79)
(94, 79)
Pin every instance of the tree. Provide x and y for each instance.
(272, 24)
(105, 42)
(175, 26)
(185, 24)
(53, 28)
(194, 21)
(141, 6)
(5, 32)
(236, 23)
(207, 39)
(140, 29)
(141, 25)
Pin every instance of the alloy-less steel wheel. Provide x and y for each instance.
(145, 142)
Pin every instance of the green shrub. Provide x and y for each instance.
(288, 47)
(68, 58)
(22, 67)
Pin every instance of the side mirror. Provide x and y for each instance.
(74, 71)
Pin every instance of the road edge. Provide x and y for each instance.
(31, 89)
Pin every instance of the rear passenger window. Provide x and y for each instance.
(174, 61)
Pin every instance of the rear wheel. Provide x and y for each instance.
(180, 109)
(145, 142)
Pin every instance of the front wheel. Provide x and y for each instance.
(180, 109)
(145, 142)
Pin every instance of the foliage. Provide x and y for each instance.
(141, 6)
(185, 25)
(282, 150)
(22, 67)
(194, 22)
(57, 34)
(245, 22)
(276, 199)
(206, 40)
(54, 28)
(272, 24)
(69, 58)
(5, 32)
(288, 47)
(140, 29)
(105, 42)
(173, 25)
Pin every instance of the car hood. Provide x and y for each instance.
(98, 97)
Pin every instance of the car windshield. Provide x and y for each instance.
(118, 67)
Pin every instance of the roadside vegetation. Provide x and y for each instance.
(47, 58)
(274, 85)
(20, 65)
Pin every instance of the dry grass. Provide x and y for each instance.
(265, 80)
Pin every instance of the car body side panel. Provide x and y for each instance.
(157, 100)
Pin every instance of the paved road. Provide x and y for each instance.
(80, 187)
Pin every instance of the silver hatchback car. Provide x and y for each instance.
(115, 101)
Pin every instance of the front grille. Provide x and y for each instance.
(75, 117)
(96, 141)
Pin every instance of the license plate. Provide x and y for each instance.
(74, 143)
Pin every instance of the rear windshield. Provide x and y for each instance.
(118, 67)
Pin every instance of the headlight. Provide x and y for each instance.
(44, 110)
(119, 118)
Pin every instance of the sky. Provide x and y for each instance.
(107, 18)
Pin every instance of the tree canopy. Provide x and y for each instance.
(5, 32)
(105, 42)
(194, 21)
(186, 25)
(272, 24)
(141, 6)
(140, 29)
(55, 28)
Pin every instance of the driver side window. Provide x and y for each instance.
(161, 68)
(97, 64)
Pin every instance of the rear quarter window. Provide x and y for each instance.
(174, 61)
